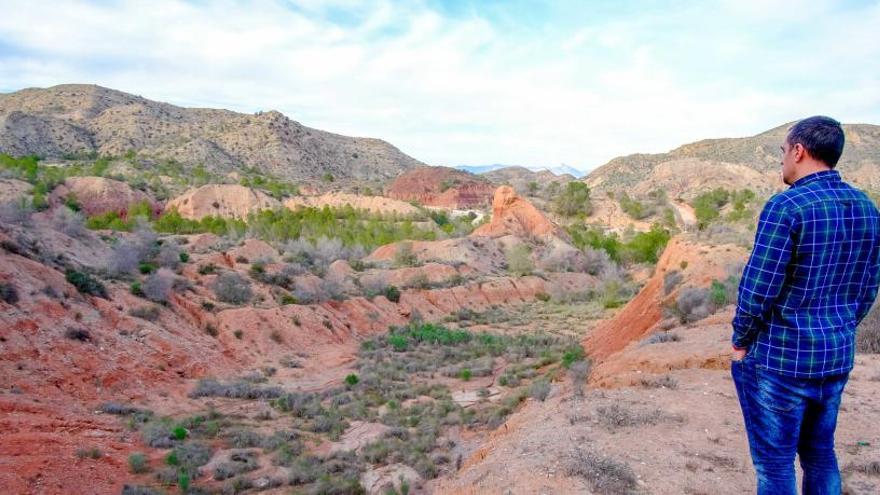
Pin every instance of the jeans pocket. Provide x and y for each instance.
(776, 392)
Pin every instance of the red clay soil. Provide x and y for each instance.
(53, 382)
(442, 187)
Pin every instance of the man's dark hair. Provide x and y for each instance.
(821, 136)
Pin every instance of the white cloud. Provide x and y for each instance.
(452, 90)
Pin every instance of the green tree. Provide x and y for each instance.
(574, 200)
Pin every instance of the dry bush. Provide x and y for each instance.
(169, 256)
(661, 338)
(579, 372)
(693, 304)
(597, 261)
(664, 381)
(68, 222)
(519, 260)
(404, 256)
(15, 212)
(604, 474)
(232, 288)
(562, 259)
(671, 280)
(374, 284)
(124, 258)
(157, 286)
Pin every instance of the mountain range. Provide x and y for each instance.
(80, 119)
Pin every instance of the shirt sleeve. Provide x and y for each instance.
(869, 292)
(764, 274)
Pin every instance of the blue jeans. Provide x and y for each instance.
(785, 416)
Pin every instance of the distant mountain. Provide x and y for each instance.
(558, 170)
(733, 163)
(77, 118)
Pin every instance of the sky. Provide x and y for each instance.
(471, 82)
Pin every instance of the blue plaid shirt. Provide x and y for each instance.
(811, 278)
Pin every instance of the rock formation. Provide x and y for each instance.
(441, 186)
(513, 215)
(97, 195)
(223, 200)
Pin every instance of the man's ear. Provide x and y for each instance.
(799, 152)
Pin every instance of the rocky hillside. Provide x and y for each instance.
(443, 187)
(78, 119)
(734, 163)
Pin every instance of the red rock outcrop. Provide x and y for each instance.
(442, 187)
(699, 265)
(513, 215)
(97, 195)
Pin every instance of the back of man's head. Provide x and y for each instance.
(821, 136)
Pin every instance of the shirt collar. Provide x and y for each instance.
(820, 175)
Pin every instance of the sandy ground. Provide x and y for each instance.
(697, 444)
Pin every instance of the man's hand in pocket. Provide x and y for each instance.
(738, 354)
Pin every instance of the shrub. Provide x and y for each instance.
(665, 381)
(207, 269)
(146, 268)
(465, 374)
(671, 279)
(404, 256)
(169, 256)
(634, 208)
(136, 289)
(351, 380)
(519, 260)
(68, 222)
(392, 293)
(184, 257)
(604, 474)
(573, 200)
(539, 389)
(92, 453)
(230, 287)
(86, 284)
(124, 258)
(562, 259)
(157, 287)
(8, 293)
(646, 246)
(15, 212)
(693, 304)
(238, 390)
(718, 294)
(137, 463)
(615, 416)
(239, 462)
(140, 490)
(708, 205)
(579, 372)
(572, 355)
(662, 337)
(150, 313)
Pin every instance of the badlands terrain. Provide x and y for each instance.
(200, 301)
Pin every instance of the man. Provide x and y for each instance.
(810, 280)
